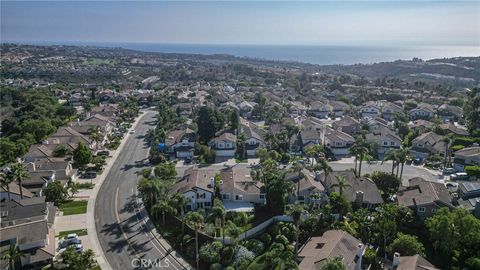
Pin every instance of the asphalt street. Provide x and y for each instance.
(125, 233)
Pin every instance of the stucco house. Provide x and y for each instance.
(197, 184)
(225, 144)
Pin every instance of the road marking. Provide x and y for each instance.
(120, 226)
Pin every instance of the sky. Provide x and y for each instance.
(454, 23)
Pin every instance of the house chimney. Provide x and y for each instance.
(212, 182)
(476, 212)
(359, 256)
(359, 197)
(396, 260)
(31, 167)
(318, 176)
(56, 141)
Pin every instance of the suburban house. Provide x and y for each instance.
(337, 142)
(415, 262)
(424, 197)
(37, 152)
(198, 185)
(37, 181)
(180, 143)
(319, 109)
(421, 126)
(385, 138)
(308, 187)
(426, 144)
(246, 108)
(361, 192)
(468, 189)
(309, 136)
(106, 110)
(469, 156)
(69, 137)
(333, 243)
(14, 192)
(28, 224)
(104, 124)
(225, 144)
(389, 110)
(184, 109)
(238, 190)
(422, 111)
(62, 170)
(339, 108)
(348, 125)
(455, 129)
(370, 109)
(450, 113)
(254, 137)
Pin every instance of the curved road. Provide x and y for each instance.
(126, 235)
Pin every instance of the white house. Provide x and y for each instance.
(337, 142)
(254, 137)
(225, 145)
(370, 109)
(197, 185)
(181, 143)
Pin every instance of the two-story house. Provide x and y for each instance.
(469, 156)
(424, 197)
(348, 125)
(337, 142)
(254, 137)
(426, 144)
(450, 113)
(225, 144)
(370, 109)
(180, 143)
(197, 184)
(320, 110)
(422, 111)
(238, 190)
(389, 110)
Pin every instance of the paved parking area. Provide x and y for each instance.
(68, 223)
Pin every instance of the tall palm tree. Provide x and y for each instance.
(218, 212)
(316, 151)
(361, 149)
(403, 155)
(96, 135)
(6, 178)
(324, 166)
(20, 173)
(195, 219)
(295, 212)
(163, 206)
(151, 190)
(393, 156)
(447, 140)
(242, 145)
(180, 201)
(12, 255)
(341, 183)
(297, 168)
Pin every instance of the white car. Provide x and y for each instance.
(132, 131)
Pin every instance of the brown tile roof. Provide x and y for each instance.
(238, 177)
(333, 243)
(422, 192)
(371, 194)
(194, 178)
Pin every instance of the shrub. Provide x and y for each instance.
(240, 219)
(473, 170)
(242, 256)
(227, 255)
(465, 141)
(282, 240)
(255, 246)
(274, 230)
(216, 266)
(266, 239)
(457, 147)
(210, 253)
(289, 231)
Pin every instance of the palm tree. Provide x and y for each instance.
(324, 166)
(12, 255)
(341, 183)
(163, 206)
(181, 201)
(447, 140)
(20, 173)
(361, 149)
(295, 212)
(151, 189)
(96, 135)
(242, 145)
(6, 178)
(403, 155)
(316, 151)
(297, 168)
(393, 156)
(218, 212)
(195, 219)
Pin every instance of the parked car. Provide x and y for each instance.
(78, 248)
(89, 174)
(459, 176)
(132, 131)
(447, 171)
(68, 241)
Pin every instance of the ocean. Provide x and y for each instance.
(322, 55)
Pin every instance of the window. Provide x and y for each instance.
(300, 198)
(434, 210)
(421, 209)
(392, 143)
(225, 196)
(238, 197)
(207, 204)
(262, 196)
(385, 143)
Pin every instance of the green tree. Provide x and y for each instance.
(95, 135)
(388, 184)
(78, 261)
(166, 171)
(55, 192)
(12, 255)
(164, 206)
(61, 151)
(341, 184)
(234, 120)
(19, 173)
(455, 235)
(407, 245)
(334, 264)
(209, 121)
(210, 252)
(339, 204)
(403, 155)
(195, 220)
(393, 156)
(6, 178)
(295, 211)
(82, 155)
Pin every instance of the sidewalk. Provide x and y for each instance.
(90, 217)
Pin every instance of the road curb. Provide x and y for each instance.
(91, 228)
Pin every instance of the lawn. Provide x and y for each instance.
(73, 207)
(80, 232)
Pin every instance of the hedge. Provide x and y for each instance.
(473, 170)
